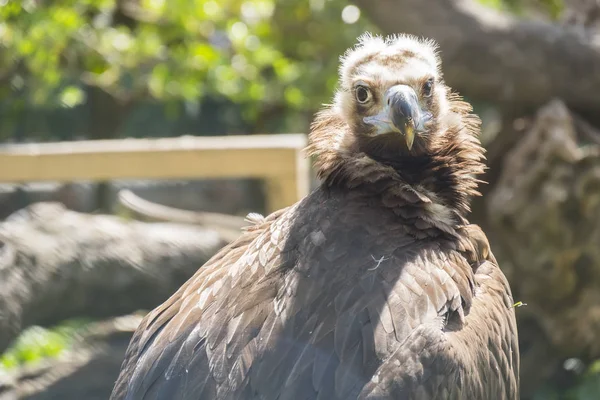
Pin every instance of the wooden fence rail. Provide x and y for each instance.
(277, 159)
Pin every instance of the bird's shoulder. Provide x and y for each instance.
(436, 360)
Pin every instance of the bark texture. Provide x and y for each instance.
(543, 218)
(57, 264)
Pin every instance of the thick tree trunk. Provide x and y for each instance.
(57, 264)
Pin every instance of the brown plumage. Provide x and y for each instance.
(375, 286)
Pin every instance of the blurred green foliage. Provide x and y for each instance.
(583, 385)
(550, 9)
(588, 386)
(36, 344)
(268, 57)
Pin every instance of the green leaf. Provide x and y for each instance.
(72, 96)
(294, 96)
(158, 80)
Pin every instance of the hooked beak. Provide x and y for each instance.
(401, 113)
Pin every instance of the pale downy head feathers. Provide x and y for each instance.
(389, 89)
(379, 55)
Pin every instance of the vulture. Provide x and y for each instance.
(373, 286)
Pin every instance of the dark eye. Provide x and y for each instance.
(363, 94)
(428, 88)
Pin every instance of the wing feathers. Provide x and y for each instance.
(319, 305)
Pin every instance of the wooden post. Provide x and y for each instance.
(286, 188)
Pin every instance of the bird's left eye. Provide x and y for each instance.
(428, 88)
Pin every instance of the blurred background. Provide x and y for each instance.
(219, 96)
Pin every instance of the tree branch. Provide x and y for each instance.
(516, 64)
(228, 226)
(57, 264)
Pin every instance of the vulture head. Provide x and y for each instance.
(393, 112)
(392, 95)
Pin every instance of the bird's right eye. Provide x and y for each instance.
(363, 94)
